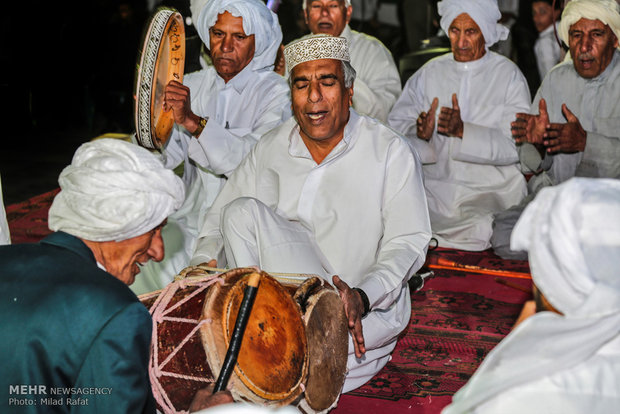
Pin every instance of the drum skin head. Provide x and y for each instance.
(161, 59)
(328, 341)
(273, 360)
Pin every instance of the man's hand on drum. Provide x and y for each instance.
(177, 98)
(204, 398)
(354, 308)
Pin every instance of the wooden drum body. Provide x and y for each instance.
(161, 59)
(290, 353)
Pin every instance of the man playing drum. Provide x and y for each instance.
(329, 192)
(220, 113)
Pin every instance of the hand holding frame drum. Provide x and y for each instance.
(161, 60)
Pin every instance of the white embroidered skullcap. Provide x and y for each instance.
(114, 190)
(304, 3)
(315, 47)
(484, 12)
(607, 11)
(258, 20)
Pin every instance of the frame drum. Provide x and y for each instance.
(327, 334)
(161, 59)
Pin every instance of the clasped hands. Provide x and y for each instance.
(546, 136)
(449, 121)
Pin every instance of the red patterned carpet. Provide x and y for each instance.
(457, 318)
(28, 220)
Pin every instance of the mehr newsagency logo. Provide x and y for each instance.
(41, 395)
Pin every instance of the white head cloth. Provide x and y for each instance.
(607, 11)
(315, 47)
(572, 234)
(484, 12)
(114, 190)
(258, 20)
(304, 3)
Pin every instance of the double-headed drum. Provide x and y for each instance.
(161, 59)
(294, 350)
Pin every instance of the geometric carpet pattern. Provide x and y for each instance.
(458, 316)
(456, 319)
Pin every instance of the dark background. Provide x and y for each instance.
(67, 77)
(67, 73)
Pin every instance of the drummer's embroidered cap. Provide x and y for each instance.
(315, 47)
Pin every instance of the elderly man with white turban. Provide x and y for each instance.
(577, 130)
(68, 319)
(566, 357)
(329, 192)
(456, 111)
(377, 83)
(220, 113)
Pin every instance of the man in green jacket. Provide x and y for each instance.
(74, 336)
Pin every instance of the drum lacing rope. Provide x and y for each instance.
(158, 312)
(294, 278)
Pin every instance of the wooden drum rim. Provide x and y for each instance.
(166, 23)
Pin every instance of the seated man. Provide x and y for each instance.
(68, 318)
(220, 111)
(547, 50)
(566, 357)
(329, 192)
(377, 84)
(470, 160)
(577, 130)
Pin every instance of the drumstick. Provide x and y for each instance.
(237, 336)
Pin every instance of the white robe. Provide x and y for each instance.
(467, 180)
(239, 113)
(365, 208)
(566, 362)
(5, 235)
(547, 50)
(595, 103)
(377, 84)
(588, 387)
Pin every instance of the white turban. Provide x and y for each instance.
(572, 234)
(484, 12)
(114, 190)
(258, 20)
(607, 11)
